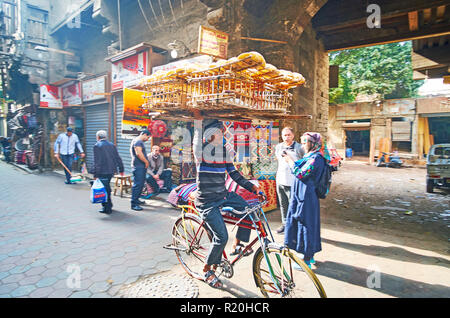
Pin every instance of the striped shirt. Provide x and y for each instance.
(212, 169)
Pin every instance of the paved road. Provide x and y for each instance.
(50, 233)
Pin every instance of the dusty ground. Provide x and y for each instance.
(387, 200)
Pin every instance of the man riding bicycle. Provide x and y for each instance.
(213, 163)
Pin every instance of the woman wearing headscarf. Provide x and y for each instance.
(302, 232)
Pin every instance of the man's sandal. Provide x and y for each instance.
(214, 282)
(239, 248)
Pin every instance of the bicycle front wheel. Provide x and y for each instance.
(280, 273)
(191, 242)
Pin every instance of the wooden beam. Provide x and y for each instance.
(413, 20)
(432, 31)
(335, 13)
(263, 40)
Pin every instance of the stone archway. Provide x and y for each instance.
(288, 21)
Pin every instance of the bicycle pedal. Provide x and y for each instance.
(174, 248)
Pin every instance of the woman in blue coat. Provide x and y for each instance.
(302, 232)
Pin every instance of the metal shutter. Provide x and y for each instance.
(123, 145)
(96, 119)
(401, 131)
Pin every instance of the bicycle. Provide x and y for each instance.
(274, 271)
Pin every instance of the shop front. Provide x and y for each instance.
(97, 112)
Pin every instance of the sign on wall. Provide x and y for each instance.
(71, 95)
(94, 89)
(128, 71)
(213, 42)
(50, 97)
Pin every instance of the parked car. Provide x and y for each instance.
(438, 167)
(335, 159)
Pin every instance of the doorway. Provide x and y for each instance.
(358, 141)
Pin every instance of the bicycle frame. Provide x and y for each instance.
(258, 226)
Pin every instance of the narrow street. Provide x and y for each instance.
(376, 221)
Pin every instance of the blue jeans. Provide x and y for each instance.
(166, 176)
(210, 212)
(106, 180)
(67, 161)
(138, 184)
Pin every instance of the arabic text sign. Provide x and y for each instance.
(129, 71)
(213, 42)
(93, 88)
(71, 95)
(50, 97)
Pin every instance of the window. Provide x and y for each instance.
(37, 25)
(9, 10)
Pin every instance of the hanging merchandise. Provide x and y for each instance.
(241, 87)
(157, 128)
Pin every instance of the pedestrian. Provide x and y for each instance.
(107, 162)
(6, 145)
(302, 232)
(285, 178)
(64, 149)
(139, 165)
(213, 163)
(157, 172)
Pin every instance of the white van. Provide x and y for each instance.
(438, 167)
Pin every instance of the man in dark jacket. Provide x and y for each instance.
(106, 163)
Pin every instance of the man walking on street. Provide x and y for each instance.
(139, 164)
(65, 149)
(156, 171)
(106, 163)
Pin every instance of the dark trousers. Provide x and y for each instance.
(165, 176)
(106, 180)
(138, 184)
(284, 195)
(67, 161)
(211, 213)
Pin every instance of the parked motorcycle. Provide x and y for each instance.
(392, 162)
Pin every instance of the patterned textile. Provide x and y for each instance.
(270, 189)
(265, 170)
(245, 169)
(232, 186)
(165, 146)
(188, 171)
(157, 128)
(228, 136)
(184, 192)
(150, 189)
(242, 141)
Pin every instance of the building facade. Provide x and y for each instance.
(408, 126)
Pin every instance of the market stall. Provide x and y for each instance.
(247, 94)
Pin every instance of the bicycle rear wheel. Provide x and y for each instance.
(191, 242)
(277, 277)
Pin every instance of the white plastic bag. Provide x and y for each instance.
(98, 192)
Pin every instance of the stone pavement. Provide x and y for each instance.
(54, 243)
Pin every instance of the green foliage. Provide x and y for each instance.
(385, 70)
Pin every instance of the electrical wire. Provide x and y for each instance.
(171, 9)
(145, 17)
(153, 10)
(160, 7)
